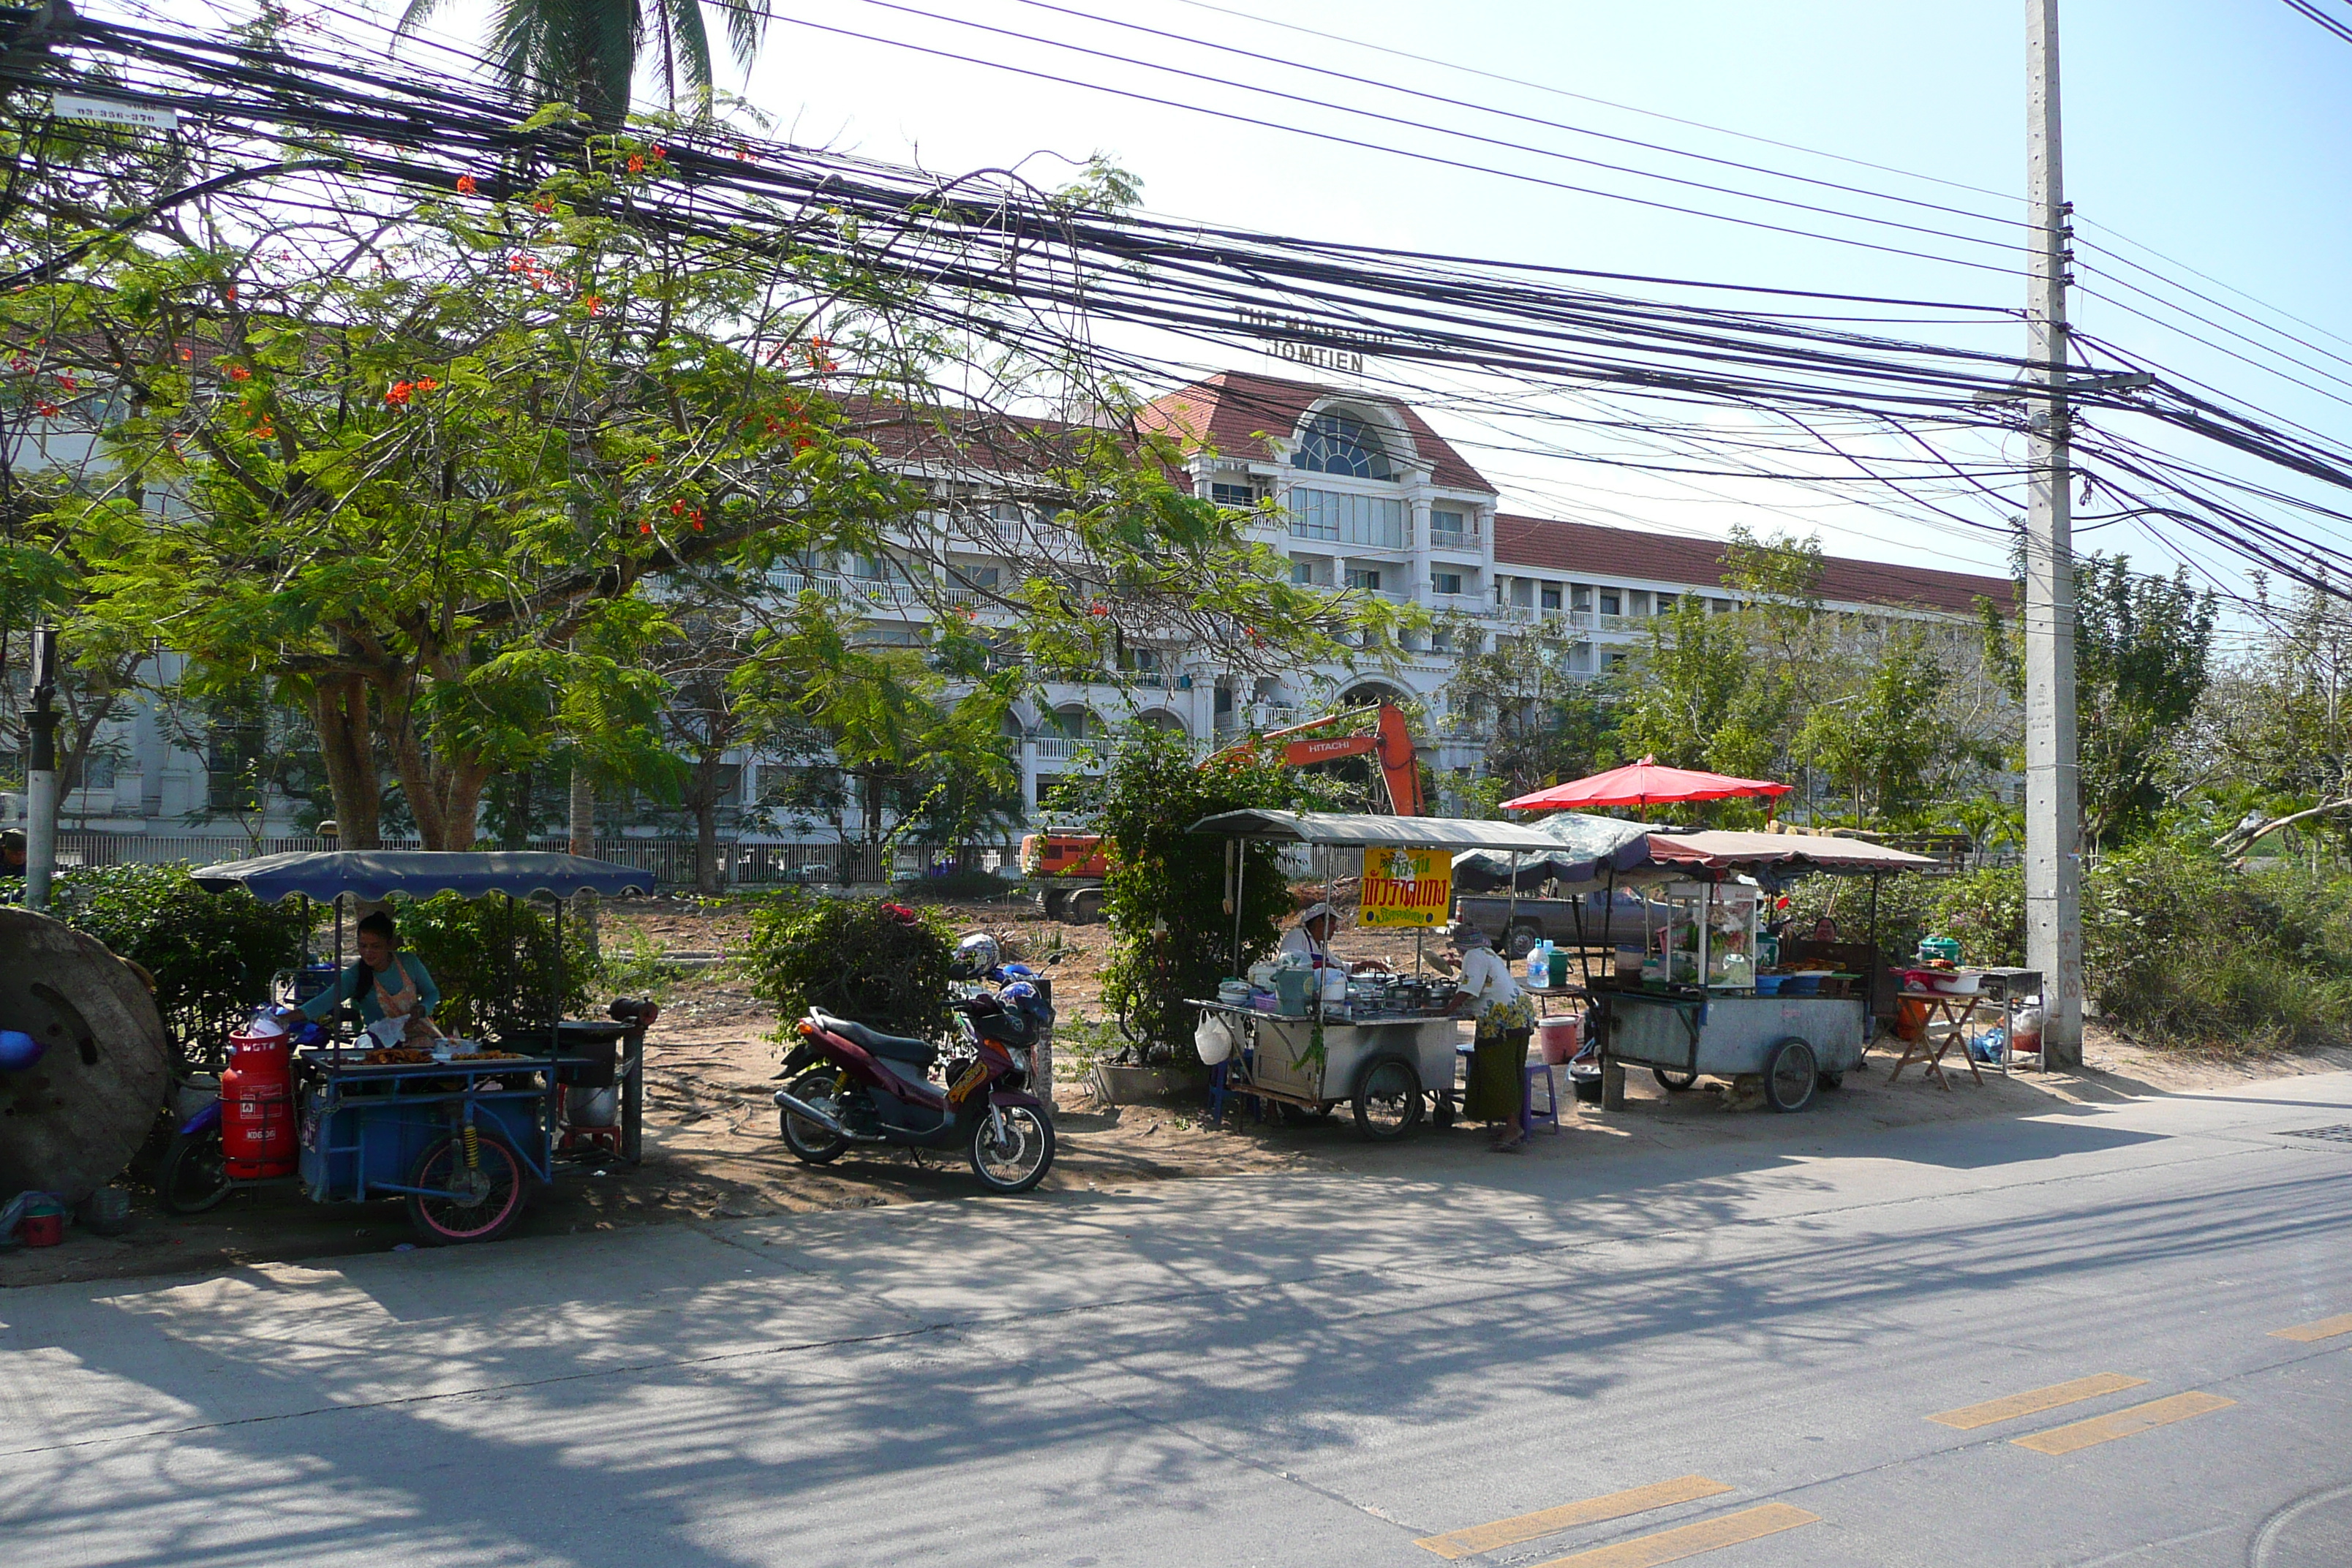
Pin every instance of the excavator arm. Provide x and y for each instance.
(1389, 744)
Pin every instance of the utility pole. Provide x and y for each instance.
(2053, 815)
(41, 773)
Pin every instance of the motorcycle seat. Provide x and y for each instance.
(897, 1047)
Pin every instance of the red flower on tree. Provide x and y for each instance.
(465, 184)
(239, 373)
(400, 392)
(636, 164)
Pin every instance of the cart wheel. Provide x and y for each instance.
(194, 1173)
(1790, 1072)
(1302, 1115)
(1388, 1099)
(812, 1144)
(1832, 1081)
(482, 1210)
(1012, 1149)
(1668, 1079)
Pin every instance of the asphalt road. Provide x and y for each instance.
(1734, 1354)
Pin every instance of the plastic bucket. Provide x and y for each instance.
(1560, 1038)
(1557, 971)
(1291, 989)
(44, 1224)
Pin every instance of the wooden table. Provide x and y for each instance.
(1956, 1013)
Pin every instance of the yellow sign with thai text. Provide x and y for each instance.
(1406, 887)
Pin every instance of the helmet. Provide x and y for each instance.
(1024, 997)
(975, 955)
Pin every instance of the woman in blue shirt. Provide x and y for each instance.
(386, 983)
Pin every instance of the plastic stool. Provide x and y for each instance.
(1219, 1093)
(1529, 1117)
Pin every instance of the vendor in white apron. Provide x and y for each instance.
(384, 984)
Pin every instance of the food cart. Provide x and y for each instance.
(1389, 1044)
(461, 1135)
(1710, 999)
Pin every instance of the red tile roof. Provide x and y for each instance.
(1584, 547)
(1229, 409)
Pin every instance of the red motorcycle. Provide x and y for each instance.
(851, 1085)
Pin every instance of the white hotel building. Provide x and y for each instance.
(1365, 496)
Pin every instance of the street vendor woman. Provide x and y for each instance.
(386, 983)
(1311, 940)
(1496, 1091)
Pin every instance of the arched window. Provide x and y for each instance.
(1336, 444)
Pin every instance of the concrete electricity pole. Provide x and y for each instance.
(41, 773)
(2053, 817)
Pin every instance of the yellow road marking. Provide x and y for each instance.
(2123, 1422)
(2326, 1329)
(2034, 1400)
(1552, 1521)
(1708, 1535)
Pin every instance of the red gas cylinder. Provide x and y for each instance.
(256, 1102)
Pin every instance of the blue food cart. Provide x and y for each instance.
(462, 1138)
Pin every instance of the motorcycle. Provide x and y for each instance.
(852, 1085)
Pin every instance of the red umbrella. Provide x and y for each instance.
(1643, 784)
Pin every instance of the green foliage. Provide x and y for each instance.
(1985, 911)
(972, 886)
(1172, 932)
(856, 958)
(2142, 660)
(1908, 908)
(497, 964)
(211, 954)
(1696, 705)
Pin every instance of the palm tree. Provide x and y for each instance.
(585, 52)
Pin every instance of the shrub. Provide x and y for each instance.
(211, 954)
(1172, 932)
(881, 964)
(496, 962)
(967, 887)
(1985, 909)
(1906, 906)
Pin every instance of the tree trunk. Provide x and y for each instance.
(583, 811)
(339, 708)
(702, 802)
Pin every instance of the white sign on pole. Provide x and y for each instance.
(109, 111)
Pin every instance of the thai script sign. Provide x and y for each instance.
(1407, 886)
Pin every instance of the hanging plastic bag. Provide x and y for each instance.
(1213, 1039)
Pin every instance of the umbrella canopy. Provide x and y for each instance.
(1581, 848)
(1785, 852)
(1643, 784)
(421, 873)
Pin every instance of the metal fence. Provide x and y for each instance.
(671, 860)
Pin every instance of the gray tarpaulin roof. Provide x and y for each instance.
(375, 874)
(1578, 849)
(1364, 830)
(1785, 851)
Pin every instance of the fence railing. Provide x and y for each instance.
(671, 860)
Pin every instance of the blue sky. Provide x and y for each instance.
(2213, 133)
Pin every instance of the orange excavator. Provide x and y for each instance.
(1069, 865)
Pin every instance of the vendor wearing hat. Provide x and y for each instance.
(12, 852)
(1310, 939)
(1496, 1093)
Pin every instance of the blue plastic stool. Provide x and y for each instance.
(1529, 1117)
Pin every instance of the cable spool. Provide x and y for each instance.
(71, 1120)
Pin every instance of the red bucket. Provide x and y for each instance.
(44, 1225)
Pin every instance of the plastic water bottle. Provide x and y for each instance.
(1539, 962)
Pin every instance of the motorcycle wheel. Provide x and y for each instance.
(194, 1176)
(810, 1143)
(1016, 1158)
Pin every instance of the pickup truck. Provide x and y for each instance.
(1517, 931)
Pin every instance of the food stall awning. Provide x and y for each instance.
(379, 873)
(1582, 848)
(1365, 830)
(1792, 852)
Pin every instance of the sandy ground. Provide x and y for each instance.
(713, 1152)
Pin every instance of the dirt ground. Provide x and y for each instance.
(712, 1150)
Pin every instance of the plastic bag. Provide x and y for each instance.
(1213, 1039)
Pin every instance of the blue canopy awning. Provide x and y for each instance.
(376, 874)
